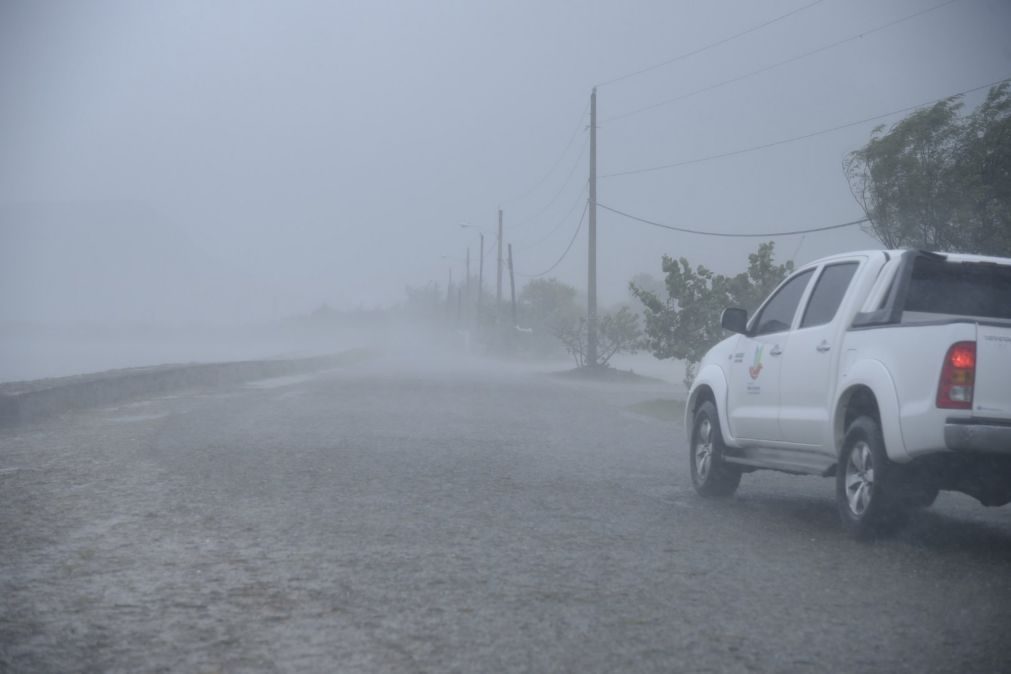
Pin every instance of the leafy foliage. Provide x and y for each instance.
(549, 307)
(648, 282)
(617, 331)
(546, 303)
(686, 323)
(939, 180)
(552, 309)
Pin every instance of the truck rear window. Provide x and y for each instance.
(976, 289)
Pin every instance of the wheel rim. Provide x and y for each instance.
(703, 449)
(860, 478)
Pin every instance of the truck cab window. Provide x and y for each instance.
(828, 293)
(777, 314)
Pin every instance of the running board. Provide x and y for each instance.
(781, 466)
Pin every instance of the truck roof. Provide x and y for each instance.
(895, 252)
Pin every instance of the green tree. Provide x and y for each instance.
(748, 289)
(985, 176)
(940, 180)
(647, 282)
(543, 303)
(686, 323)
(550, 308)
(618, 331)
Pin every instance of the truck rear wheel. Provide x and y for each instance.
(711, 475)
(867, 493)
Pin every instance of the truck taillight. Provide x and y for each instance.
(957, 377)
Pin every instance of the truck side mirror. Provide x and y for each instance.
(734, 320)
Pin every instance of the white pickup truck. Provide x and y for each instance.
(889, 370)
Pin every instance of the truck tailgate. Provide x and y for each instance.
(992, 393)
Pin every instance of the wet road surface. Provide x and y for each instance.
(387, 517)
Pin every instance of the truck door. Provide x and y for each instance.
(755, 364)
(813, 356)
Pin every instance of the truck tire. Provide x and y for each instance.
(712, 477)
(868, 495)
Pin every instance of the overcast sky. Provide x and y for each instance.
(242, 160)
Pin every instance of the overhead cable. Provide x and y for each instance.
(579, 198)
(711, 45)
(580, 127)
(491, 248)
(732, 235)
(766, 69)
(784, 141)
(567, 248)
(551, 202)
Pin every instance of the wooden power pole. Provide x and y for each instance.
(449, 294)
(498, 285)
(591, 286)
(512, 284)
(480, 279)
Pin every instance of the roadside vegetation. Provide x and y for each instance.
(938, 179)
(684, 321)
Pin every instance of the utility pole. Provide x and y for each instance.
(512, 284)
(480, 279)
(449, 295)
(591, 286)
(468, 274)
(498, 285)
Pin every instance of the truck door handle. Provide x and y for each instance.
(824, 346)
(775, 351)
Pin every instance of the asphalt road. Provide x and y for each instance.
(396, 518)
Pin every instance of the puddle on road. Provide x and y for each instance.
(664, 409)
(276, 382)
(133, 418)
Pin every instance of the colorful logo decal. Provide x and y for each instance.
(756, 369)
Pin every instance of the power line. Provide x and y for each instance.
(709, 46)
(567, 248)
(551, 202)
(784, 141)
(729, 234)
(799, 244)
(564, 218)
(739, 78)
(579, 127)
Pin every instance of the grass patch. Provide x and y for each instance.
(606, 374)
(664, 409)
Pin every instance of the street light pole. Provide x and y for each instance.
(498, 283)
(480, 278)
(591, 286)
(480, 271)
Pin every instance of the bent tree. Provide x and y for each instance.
(938, 179)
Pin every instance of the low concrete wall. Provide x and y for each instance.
(22, 402)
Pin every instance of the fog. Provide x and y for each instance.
(324, 461)
(186, 181)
